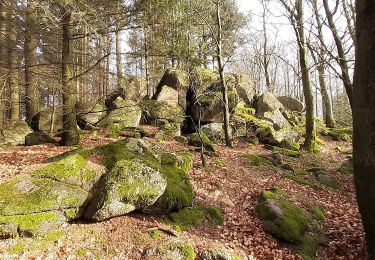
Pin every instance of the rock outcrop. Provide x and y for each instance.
(291, 104)
(14, 135)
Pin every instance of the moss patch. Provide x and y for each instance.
(221, 164)
(191, 217)
(179, 249)
(338, 134)
(209, 148)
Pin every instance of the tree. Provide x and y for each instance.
(30, 48)
(296, 17)
(364, 119)
(70, 134)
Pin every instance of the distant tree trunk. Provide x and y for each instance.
(3, 71)
(341, 54)
(266, 59)
(12, 65)
(70, 134)
(364, 119)
(118, 57)
(30, 46)
(224, 88)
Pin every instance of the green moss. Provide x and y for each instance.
(185, 249)
(338, 134)
(307, 249)
(284, 151)
(291, 226)
(303, 178)
(316, 211)
(195, 140)
(185, 162)
(346, 167)
(191, 217)
(254, 159)
(82, 252)
(154, 234)
(221, 164)
(329, 180)
(168, 159)
(210, 170)
(33, 223)
(18, 248)
(179, 191)
(54, 236)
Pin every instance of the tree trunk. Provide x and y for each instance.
(118, 58)
(306, 84)
(341, 54)
(224, 88)
(70, 134)
(30, 46)
(12, 66)
(364, 119)
(3, 66)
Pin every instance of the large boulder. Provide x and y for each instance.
(168, 117)
(93, 114)
(215, 132)
(177, 80)
(268, 103)
(168, 95)
(219, 253)
(55, 193)
(126, 113)
(291, 104)
(14, 135)
(130, 185)
(38, 138)
(245, 88)
(135, 88)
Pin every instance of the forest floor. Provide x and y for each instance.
(235, 188)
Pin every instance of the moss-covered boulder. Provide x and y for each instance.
(197, 139)
(346, 167)
(34, 205)
(93, 114)
(160, 113)
(315, 178)
(194, 216)
(126, 113)
(215, 132)
(338, 134)
(130, 185)
(219, 252)
(38, 138)
(282, 218)
(173, 249)
(135, 88)
(15, 134)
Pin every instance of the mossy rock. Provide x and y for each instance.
(287, 152)
(304, 178)
(185, 161)
(74, 169)
(314, 178)
(173, 249)
(282, 218)
(38, 138)
(153, 110)
(219, 253)
(195, 140)
(130, 185)
(338, 134)
(168, 159)
(191, 217)
(15, 134)
(346, 167)
(33, 205)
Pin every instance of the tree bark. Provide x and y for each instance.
(70, 134)
(224, 88)
(30, 46)
(12, 65)
(118, 57)
(364, 119)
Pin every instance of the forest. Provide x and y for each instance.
(187, 129)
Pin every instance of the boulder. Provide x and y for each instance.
(173, 249)
(346, 167)
(38, 138)
(195, 140)
(94, 114)
(245, 88)
(126, 113)
(14, 135)
(168, 95)
(130, 185)
(215, 132)
(135, 88)
(177, 80)
(219, 253)
(169, 118)
(291, 104)
(268, 103)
